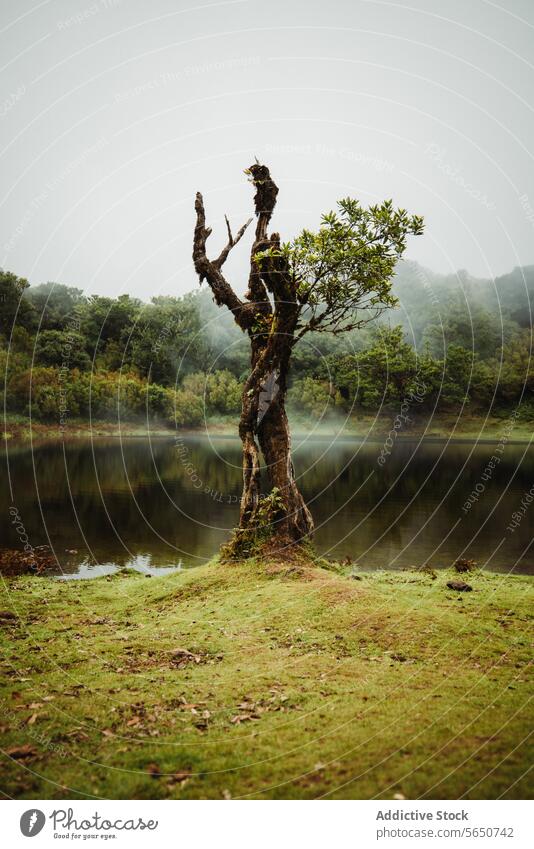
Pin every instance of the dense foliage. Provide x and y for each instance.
(451, 342)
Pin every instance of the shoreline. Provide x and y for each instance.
(42, 563)
(38, 432)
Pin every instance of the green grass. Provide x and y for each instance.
(303, 683)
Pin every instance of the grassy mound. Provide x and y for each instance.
(267, 682)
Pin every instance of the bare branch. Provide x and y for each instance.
(221, 259)
(210, 271)
(230, 237)
(264, 199)
(264, 203)
(337, 321)
(199, 240)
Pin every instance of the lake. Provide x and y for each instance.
(161, 503)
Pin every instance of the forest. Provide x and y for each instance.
(452, 343)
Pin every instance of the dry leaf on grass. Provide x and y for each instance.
(179, 777)
(22, 752)
(243, 717)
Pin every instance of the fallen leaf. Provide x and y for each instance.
(179, 777)
(243, 717)
(7, 615)
(21, 752)
(78, 734)
(181, 653)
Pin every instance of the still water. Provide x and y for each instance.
(166, 503)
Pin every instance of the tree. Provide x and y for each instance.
(107, 323)
(15, 310)
(468, 325)
(383, 374)
(55, 304)
(61, 348)
(167, 329)
(334, 280)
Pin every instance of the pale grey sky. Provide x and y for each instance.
(113, 112)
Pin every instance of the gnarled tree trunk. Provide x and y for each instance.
(269, 316)
(294, 522)
(264, 426)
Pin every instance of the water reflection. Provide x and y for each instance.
(163, 503)
(138, 562)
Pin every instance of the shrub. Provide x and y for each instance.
(188, 409)
(310, 396)
(220, 391)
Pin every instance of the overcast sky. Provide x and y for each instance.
(113, 112)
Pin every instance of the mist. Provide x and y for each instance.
(114, 114)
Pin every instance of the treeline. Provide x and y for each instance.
(453, 341)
